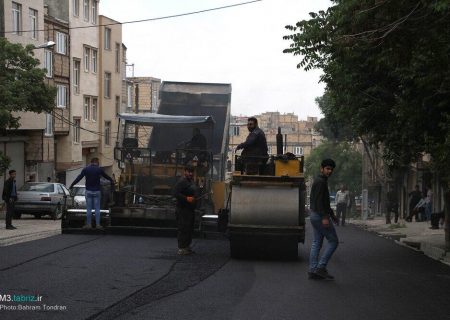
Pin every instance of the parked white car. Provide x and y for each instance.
(42, 198)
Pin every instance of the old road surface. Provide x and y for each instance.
(126, 277)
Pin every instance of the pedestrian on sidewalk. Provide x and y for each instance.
(391, 206)
(429, 203)
(342, 203)
(9, 195)
(92, 173)
(185, 192)
(414, 198)
(321, 215)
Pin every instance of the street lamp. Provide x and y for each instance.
(46, 45)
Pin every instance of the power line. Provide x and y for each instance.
(148, 19)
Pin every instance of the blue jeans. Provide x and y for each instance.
(92, 202)
(321, 232)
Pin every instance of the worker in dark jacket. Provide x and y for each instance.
(320, 217)
(92, 173)
(9, 195)
(254, 153)
(185, 192)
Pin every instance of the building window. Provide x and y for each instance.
(94, 60)
(94, 11)
(48, 124)
(87, 58)
(87, 108)
(33, 24)
(107, 38)
(48, 63)
(117, 53)
(76, 129)
(76, 75)
(117, 105)
(61, 43)
(107, 133)
(94, 109)
(129, 96)
(76, 7)
(61, 96)
(86, 10)
(235, 130)
(298, 151)
(107, 85)
(16, 18)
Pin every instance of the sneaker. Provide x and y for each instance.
(323, 273)
(184, 252)
(87, 226)
(99, 227)
(11, 227)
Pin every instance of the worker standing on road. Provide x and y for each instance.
(92, 173)
(321, 214)
(255, 149)
(9, 195)
(185, 193)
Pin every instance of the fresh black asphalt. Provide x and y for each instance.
(126, 277)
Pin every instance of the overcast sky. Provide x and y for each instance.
(241, 45)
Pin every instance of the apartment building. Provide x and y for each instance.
(144, 93)
(110, 84)
(57, 63)
(31, 146)
(83, 142)
(299, 136)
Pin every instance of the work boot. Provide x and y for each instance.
(184, 252)
(313, 276)
(323, 273)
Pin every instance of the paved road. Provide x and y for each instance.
(123, 277)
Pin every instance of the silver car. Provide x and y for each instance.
(78, 193)
(42, 198)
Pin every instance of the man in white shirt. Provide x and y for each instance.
(342, 203)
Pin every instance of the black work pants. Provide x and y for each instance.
(341, 209)
(185, 224)
(9, 212)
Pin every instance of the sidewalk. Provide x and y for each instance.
(416, 235)
(28, 229)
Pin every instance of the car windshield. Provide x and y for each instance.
(39, 187)
(78, 191)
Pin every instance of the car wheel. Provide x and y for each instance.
(57, 214)
(38, 215)
(17, 215)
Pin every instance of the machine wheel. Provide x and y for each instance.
(57, 214)
(17, 215)
(37, 215)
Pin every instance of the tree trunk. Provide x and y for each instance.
(447, 219)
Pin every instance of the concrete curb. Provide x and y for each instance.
(28, 237)
(402, 239)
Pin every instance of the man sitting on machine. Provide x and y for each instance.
(254, 154)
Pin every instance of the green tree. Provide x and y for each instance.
(385, 66)
(348, 164)
(22, 88)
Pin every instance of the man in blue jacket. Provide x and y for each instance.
(92, 173)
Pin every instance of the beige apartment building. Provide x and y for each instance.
(83, 143)
(31, 146)
(299, 136)
(144, 94)
(110, 94)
